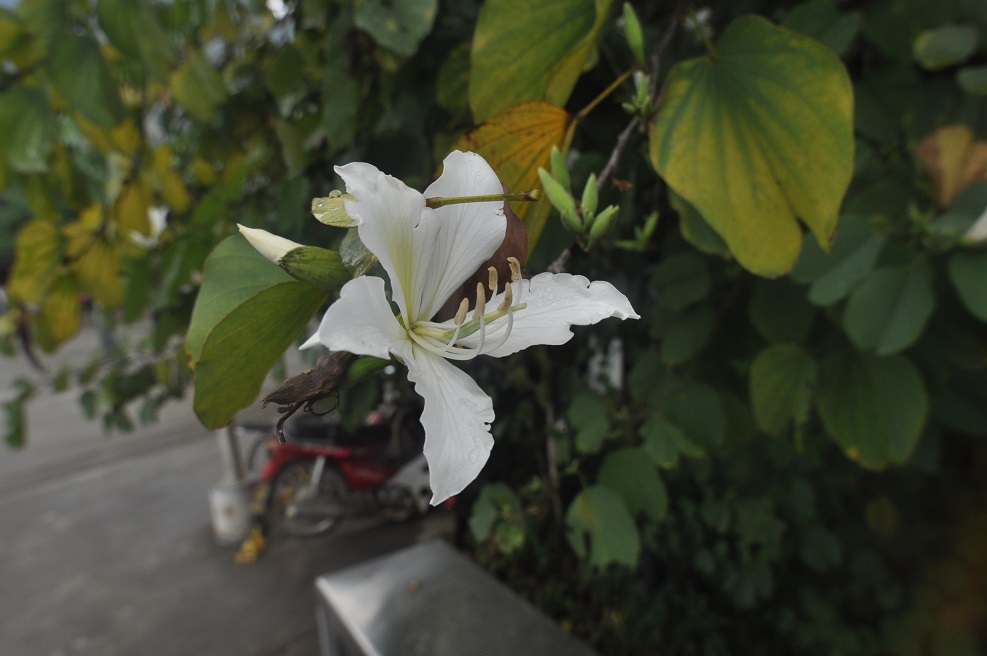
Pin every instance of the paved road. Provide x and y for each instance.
(106, 548)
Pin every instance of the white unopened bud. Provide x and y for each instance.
(267, 244)
(977, 233)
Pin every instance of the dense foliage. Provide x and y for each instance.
(784, 455)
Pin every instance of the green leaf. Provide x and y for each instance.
(452, 84)
(286, 78)
(81, 76)
(874, 408)
(28, 127)
(198, 86)
(695, 230)
(664, 442)
(780, 311)
(968, 272)
(494, 499)
(630, 473)
(646, 377)
(16, 413)
(233, 273)
(824, 22)
(854, 254)
(821, 550)
(241, 349)
(759, 137)
(687, 334)
(681, 280)
(397, 26)
(698, 411)
(945, 46)
(530, 51)
(888, 311)
(601, 530)
(133, 29)
(781, 382)
(973, 80)
(588, 415)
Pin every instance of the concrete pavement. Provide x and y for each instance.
(106, 548)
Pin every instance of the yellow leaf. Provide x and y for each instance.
(101, 139)
(516, 142)
(203, 172)
(126, 137)
(98, 270)
(131, 209)
(758, 138)
(953, 160)
(60, 313)
(80, 235)
(37, 259)
(173, 190)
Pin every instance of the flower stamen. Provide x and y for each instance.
(463, 310)
(481, 302)
(492, 284)
(515, 268)
(508, 297)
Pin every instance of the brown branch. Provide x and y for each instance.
(653, 93)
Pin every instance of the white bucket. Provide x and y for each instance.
(230, 504)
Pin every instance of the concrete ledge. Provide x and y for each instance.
(430, 599)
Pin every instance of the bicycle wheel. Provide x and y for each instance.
(257, 454)
(290, 491)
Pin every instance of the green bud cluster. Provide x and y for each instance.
(642, 235)
(640, 103)
(582, 221)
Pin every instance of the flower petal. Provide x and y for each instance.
(457, 239)
(361, 321)
(457, 420)
(387, 212)
(554, 303)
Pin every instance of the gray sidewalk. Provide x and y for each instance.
(106, 547)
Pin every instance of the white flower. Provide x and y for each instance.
(427, 254)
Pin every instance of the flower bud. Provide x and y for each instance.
(560, 198)
(267, 244)
(589, 200)
(632, 29)
(316, 266)
(602, 224)
(559, 170)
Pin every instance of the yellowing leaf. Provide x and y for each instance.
(126, 137)
(953, 160)
(516, 142)
(98, 270)
(173, 190)
(530, 51)
(131, 209)
(80, 234)
(759, 137)
(203, 172)
(37, 258)
(60, 313)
